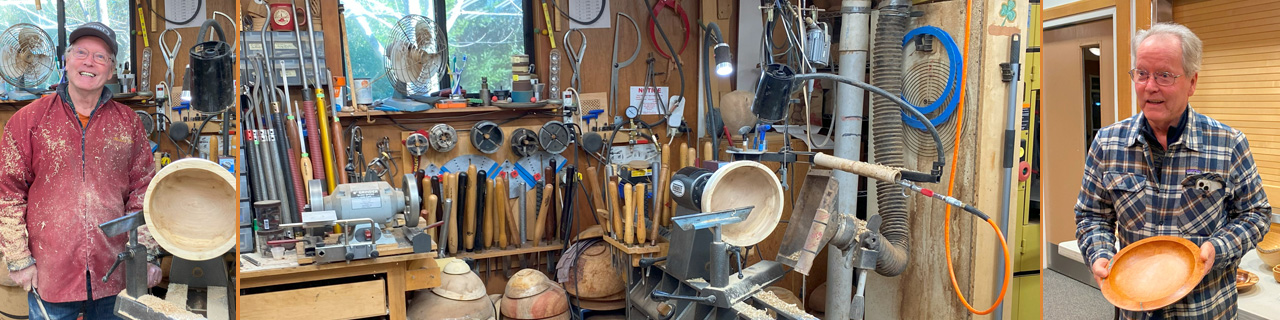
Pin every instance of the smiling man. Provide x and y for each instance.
(68, 162)
(1172, 171)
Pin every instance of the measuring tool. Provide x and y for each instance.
(575, 56)
(618, 65)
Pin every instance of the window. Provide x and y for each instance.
(113, 13)
(486, 32)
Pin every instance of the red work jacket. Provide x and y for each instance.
(59, 180)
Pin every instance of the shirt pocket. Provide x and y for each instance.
(1129, 198)
(1202, 200)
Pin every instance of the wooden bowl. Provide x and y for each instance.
(190, 208)
(594, 276)
(1153, 273)
(1269, 247)
(740, 184)
(1275, 272)
(1245, 279)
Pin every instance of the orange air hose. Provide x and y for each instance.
(955, 153)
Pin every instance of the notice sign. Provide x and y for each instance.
(647, 99)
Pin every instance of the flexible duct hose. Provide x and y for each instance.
(886, 123)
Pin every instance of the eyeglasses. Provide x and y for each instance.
(99, 57)
(1162, 78)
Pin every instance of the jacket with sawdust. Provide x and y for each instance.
(59, 180)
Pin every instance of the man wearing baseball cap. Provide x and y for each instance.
(69, 162)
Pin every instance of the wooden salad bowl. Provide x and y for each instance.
(1153, 273)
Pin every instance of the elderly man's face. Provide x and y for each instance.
(84, 73)
(1163, 105)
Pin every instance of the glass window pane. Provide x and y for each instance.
(113, 13)
(487, 32)
(370, 26)
(15, 12)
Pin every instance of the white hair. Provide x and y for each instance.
(1192, 48)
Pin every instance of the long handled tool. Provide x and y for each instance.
(308, 111)
(304, 162)
(339, 148)
(452, 187)
(325, 142)
(469, 220)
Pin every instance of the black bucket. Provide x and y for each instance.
(773, 93)
(213, 89)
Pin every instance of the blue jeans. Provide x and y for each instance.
(96, 309)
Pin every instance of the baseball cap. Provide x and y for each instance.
(96, 29)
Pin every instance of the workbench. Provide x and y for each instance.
(378, 297)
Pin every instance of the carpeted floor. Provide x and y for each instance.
(1068, 299)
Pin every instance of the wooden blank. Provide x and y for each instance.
(190, 209)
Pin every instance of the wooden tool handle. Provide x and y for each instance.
(708, 153)
(615, 218)
(657, 214)
(874, 171)
(628, 219)
(549, 174)
(593, 186)
(680, 154)
(531, 204)
(451, 193)
(639, 214)
(499, 212)
(692, 157)
(469, 212)
(340, 152)
(429, 212)
(304, 164)
(543, 212)
(487, 214)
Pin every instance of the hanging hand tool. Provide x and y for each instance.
(339, 148)
(618, 65)
(305, 161)
(575, 57)
(675, 7)
(468, 212)
(504, 221)
(429, 212)
(325, 142)
(638, 215)
(483, 236)
(447, 229)
(628, 214)
(597, 199)
(657, 215)
(287, 132)
(549, 175)
(532, 201)
(438, 191)
(169, 54)
(456, 182)
(308, 111)
(276, 148)
(616, 214)
(544, 211)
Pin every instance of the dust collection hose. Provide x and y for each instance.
(886, 122)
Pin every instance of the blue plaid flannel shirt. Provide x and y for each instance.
(1118, 199)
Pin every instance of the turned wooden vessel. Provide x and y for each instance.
(191, 207)
(745, 183)
(1153, 273)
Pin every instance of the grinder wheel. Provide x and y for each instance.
(315, 194)
(554, 137)
(412, 202)
(417, 144)
(443, 137)
(524, 142)
(486, 136)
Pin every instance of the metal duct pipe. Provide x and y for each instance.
(887, 136)
(854, 43)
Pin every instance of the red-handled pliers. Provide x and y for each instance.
(653, 35)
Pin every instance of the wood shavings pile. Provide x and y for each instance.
(771, 299)
(168, 309)
(750, 312)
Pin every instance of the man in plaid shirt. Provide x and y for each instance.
(1172, 171)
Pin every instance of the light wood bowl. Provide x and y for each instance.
(740, 184)
(1245, 279)
(191, 207)
(1275, 272)
(1153, 273)
(1269, 247)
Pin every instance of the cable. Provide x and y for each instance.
(195, 12)
(948, 97)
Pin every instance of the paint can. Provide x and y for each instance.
(364, 90)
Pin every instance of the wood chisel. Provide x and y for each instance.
(482, 237)
(597, 199)
(545, 210)
(491, 227)
(628, 216)
(708, 153)
(639, 202)
(615, 213)
(659, 212)
(469, 213)
(438, 191)
(454, 184)
(549, 174)
(429, 212)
